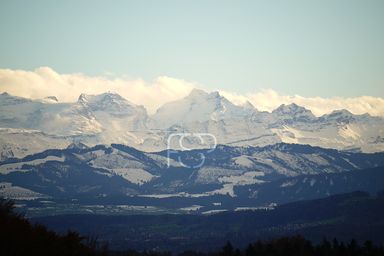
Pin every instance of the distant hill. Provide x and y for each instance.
(123, 177)
(19, 237)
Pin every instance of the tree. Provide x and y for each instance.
(228, 249)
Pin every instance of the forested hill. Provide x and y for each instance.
(356, 215)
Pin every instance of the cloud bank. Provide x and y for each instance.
(44, 82)
(268, 100)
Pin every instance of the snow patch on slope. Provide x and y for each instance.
(18, 193)
(18, 167)
(243, 161)
(229, 182)
(191, 208)
(133, 175)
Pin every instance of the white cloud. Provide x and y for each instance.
(44, 82)
(268, 100)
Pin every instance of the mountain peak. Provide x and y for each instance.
(7, 95)
(107, 98)
(341, 115)
(77, 145)
(290, 108)
(293, 110)
(197, 93)
(50, 99)
(248, 105)
(82, 98)
(199, 107)
(341, 112)
(110, 102)
(112, 95)
(10, 99)
(215, 94)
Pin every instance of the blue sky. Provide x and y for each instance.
(321, 48)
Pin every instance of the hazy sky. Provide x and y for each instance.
(310, 48)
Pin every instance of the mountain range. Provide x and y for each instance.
(199, 154)
(231, 178)
(31, 126)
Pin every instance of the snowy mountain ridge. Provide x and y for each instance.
(109, 118)
(229, 172)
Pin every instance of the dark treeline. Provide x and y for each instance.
(19, 237)
(285, 246)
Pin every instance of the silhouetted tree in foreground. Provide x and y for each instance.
(298, 246)
(19, 237)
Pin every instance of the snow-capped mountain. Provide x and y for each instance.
(29, 126)
(202, 112)
(199, 107)
(293, 113)
(111, 103)
(339, 129)
(245, 126)
(109, 118)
